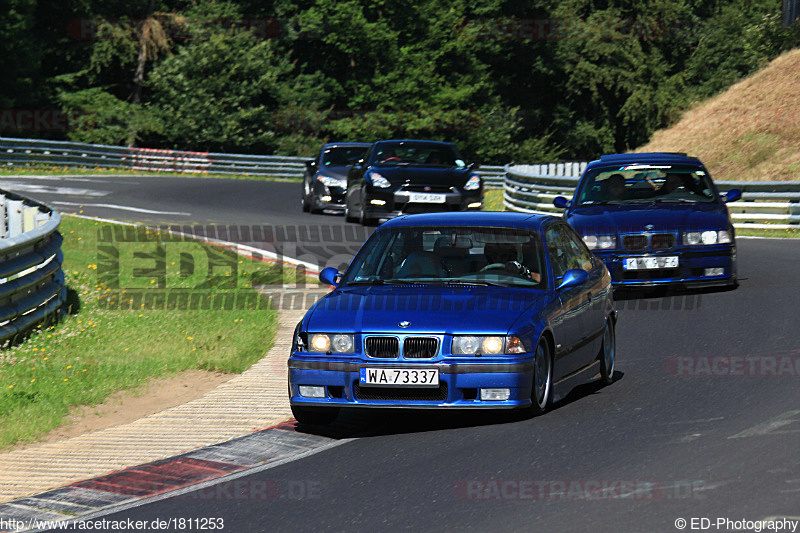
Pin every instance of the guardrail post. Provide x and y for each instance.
(14, 212)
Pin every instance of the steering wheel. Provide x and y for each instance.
(512, 267)
(393, 158)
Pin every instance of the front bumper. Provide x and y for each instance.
(389, 204)
(328, 198)
(690, 272)
(459, 383)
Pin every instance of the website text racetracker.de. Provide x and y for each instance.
(104, 524)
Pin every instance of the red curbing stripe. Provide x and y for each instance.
(156, 478)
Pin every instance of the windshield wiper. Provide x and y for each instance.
(476, 282)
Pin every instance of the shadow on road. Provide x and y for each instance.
(373, 422)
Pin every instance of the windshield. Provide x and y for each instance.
(645, 184)
(341, 156)
(416, 153)
(450, 255)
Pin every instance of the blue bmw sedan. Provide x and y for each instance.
(456, 310)
(655, 219)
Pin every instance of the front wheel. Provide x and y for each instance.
(542, 378)
(315, 415)
(608, 353)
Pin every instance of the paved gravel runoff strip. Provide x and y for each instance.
(183, 445)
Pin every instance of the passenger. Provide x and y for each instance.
(616, 187)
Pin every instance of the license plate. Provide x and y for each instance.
(647, 263)
(399, 377)
(425, 198)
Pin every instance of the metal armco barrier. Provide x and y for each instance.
(32, 286)
(764, 204)
(21, 152)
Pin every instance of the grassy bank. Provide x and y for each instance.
(101, 348)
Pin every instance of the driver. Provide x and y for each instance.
(504, 256)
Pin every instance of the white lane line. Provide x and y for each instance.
(46, 189)
(123, 208)
(199, 486)
(250, 252)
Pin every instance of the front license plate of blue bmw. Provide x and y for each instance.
(647, 263)
(399, 377)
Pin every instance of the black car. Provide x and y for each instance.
(325, 179)
(411, 176)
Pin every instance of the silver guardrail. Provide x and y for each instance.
(493, 176)
(764, 204)
(21, 152)
(32, 289)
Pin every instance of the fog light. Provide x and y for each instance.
(378, 202)
(717, 271)
(473, 205)
(310, 391)
(325, 198)
(495, 395)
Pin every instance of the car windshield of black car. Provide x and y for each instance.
(341, 156)
(416, 153)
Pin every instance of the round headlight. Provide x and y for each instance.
(466, 345)
(492, 345)
(320, 343)
(342, 343)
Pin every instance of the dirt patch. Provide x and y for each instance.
(128, 406)
(748, 132)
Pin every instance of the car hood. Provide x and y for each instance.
(335, 172)
(665, 216)
(429, 309)
(423, 175)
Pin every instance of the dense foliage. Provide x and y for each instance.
(513, 80)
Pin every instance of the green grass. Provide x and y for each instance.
(782, 233)
(493, 200)
(99, 350)
(39, 170)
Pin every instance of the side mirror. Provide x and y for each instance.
(732, 195)
(473, 165)
(311, 163)
(573, 277)
(561, 202)
(329, 276)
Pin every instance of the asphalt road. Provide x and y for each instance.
(702, 420)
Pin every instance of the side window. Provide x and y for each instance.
(581, 256)
(566, 250)
(556, 251)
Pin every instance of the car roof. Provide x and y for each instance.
(646, 158)
(443, 143)
(353, 144)
(472, 218)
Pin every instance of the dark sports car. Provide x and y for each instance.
(655, 219)
(456, 310)
(325, 178)
(411, 176)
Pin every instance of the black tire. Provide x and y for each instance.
(348, 216)
(362, 215)
(608, 353)
(316, 416)
(541, 389)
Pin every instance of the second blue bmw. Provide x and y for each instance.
(655, 219)
(456, 310)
